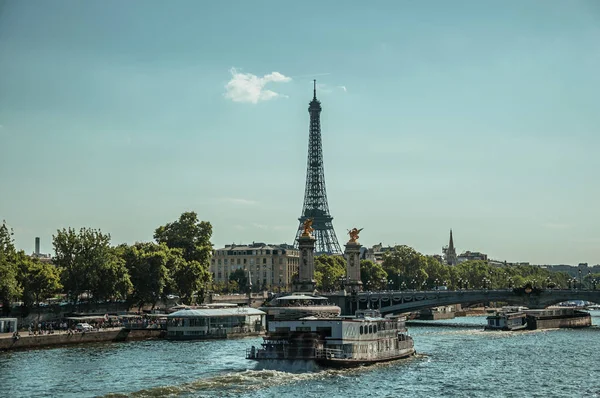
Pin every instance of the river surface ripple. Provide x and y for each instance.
(452, 362)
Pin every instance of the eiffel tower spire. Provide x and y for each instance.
(315, 194)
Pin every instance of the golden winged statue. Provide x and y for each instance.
(307, 227)
(354, 234)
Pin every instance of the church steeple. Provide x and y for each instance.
(451, 258)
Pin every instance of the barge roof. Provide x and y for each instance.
(208, 312)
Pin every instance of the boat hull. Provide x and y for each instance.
(353, 363)
(312, 364)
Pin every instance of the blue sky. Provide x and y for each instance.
(471, 115)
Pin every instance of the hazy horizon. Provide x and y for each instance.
(467, 115)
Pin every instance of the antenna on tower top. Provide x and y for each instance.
(315, 89)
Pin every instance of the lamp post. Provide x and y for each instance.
(341, 280)
(437, 283)
(414, 284)
(589, 277)
(403, 286)
(579, 278)
(510, 282)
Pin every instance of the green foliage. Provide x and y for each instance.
(40, 280)
(89, 264)
(330, 272)
(147, 266)
(373, 276)
(9, 284)
(409, 269)
(188, 277)
(405, 267)
(189, 235)
(111, 279)
(239, 277)
(189, 261)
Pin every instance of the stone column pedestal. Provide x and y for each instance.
(352, 254)
(306, 270)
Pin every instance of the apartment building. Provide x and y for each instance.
(271, 267)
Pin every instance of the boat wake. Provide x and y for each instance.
(228, 384)
(236, 383)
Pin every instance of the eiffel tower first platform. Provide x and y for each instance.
(315, 194)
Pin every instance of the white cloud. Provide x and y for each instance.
(327, 89)
(240, 201)
(246, 87)
(554, 225)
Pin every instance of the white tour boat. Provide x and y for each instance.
(340, 341)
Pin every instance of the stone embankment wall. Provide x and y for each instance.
(59, 339)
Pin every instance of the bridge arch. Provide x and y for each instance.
(396, 302)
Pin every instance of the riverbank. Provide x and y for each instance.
(7, 342)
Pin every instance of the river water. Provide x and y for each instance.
(452, 362)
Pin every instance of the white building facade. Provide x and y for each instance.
(271, 266)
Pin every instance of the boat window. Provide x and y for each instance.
(325, 331)
(361, 330)
(370, 328)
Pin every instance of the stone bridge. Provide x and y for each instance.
(396, 302)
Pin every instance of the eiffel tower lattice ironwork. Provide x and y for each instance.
(315, 194)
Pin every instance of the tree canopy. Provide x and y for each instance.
(189, 263)
(330, 272)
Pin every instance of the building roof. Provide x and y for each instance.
(254, 246)
(301, 297)
(208, 312)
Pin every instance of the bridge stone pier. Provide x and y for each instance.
(397, 302)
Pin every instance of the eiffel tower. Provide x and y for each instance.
(315, 195)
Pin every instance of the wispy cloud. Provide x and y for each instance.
(240, 201)
(271, 227)
(327, 89)
(554, 225)
(246, 87)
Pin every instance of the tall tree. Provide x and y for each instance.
(10, 288)
(88, 262)
(40, 280)
(373, 276)
(240, 278)
(189, 235)
(330, 272)
(192, 238)
(111, 279)
(147, 266)
(405, 265)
